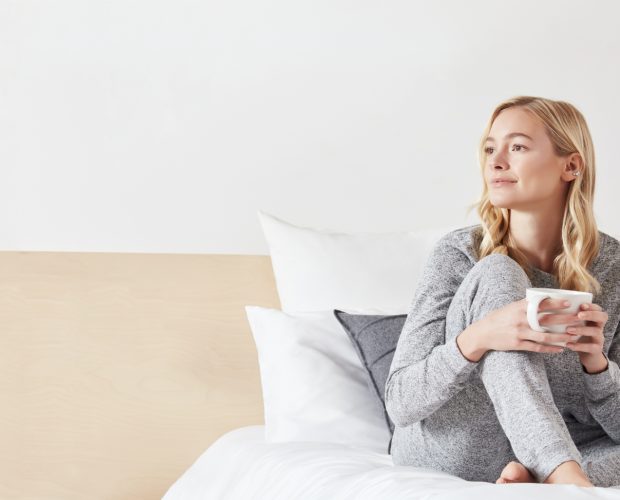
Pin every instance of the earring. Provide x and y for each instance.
(576, 173)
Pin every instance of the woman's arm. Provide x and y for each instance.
(602, 388)
(602, 391)
(426, 371)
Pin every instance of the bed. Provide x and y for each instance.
(241, 465)
(148, 375)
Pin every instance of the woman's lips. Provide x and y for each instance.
(502, 183)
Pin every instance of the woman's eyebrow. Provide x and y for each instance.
(508, 136)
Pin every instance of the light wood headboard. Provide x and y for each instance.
(118, 370)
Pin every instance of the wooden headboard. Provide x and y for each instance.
(118, 370)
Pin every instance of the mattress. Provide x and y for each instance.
(241, 465)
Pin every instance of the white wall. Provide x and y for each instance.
(145, 126)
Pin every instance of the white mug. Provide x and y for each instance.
(535, 296)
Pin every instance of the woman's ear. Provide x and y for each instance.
(573, 164)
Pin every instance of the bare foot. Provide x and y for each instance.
(569, 473)
(515, 472)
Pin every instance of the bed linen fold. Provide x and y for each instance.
(240, 465)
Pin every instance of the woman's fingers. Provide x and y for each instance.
(593, 307)
(559, 319)
(555, 318)
(547, 338)
(536, 337)
(551, 304)
(598, 316)
(591, 347)
(589, 331)
(529, 345)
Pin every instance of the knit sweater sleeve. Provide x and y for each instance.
(426, 371)
(602, 390)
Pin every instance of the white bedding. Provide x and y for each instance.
(241, 465)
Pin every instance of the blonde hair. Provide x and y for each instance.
(567, 129)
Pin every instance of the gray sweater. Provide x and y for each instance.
(426, 371)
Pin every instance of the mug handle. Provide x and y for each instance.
(532, 312)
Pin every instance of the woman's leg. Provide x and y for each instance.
(515, 382)
(601, 462)
(463, 437)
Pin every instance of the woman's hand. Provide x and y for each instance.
(507, 329)
(590, 345)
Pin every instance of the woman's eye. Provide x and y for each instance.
(489, 149)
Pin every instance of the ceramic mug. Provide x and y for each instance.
(534, 296)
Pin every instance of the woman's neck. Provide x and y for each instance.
(539, 237)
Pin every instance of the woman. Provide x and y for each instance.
(472, 389)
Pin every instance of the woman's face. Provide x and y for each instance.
(536, 175)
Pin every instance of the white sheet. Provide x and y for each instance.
(241, 465)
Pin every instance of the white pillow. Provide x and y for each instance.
(316, 270)
(314, 385)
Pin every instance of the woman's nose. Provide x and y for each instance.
(499, 161)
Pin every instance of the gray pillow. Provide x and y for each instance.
(374, 338)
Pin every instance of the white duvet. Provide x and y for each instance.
(241, 465)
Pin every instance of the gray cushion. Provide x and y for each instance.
(374, 338)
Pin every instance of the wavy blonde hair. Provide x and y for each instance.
(567, 129)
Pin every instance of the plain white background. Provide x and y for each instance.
(150, 126)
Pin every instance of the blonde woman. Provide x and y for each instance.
(472, 389)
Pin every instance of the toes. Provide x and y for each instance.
(503, 480)
(515, 472)
(512, 471)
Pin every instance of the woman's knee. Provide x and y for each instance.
(498, 265)
(497, 273)
(491, 283)
(495, 281)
